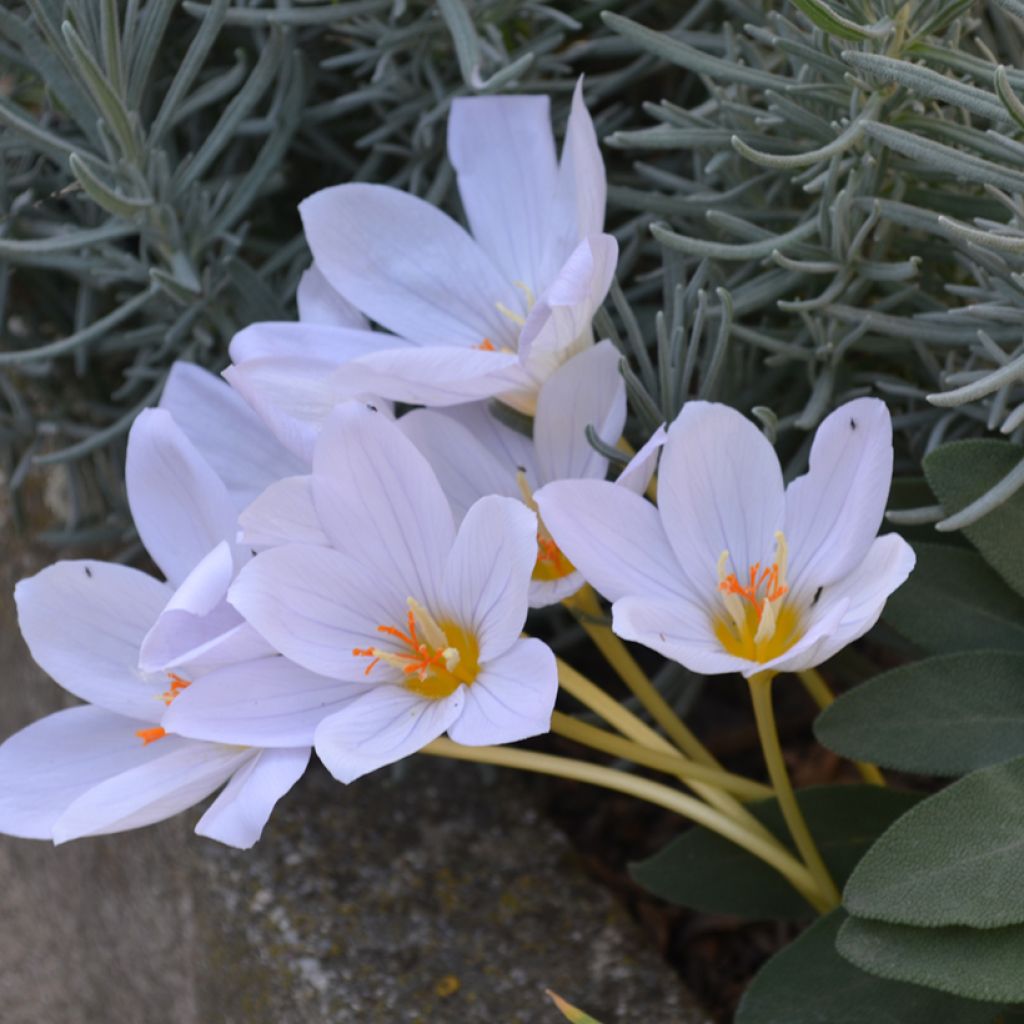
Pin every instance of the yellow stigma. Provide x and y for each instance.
(758, 624)
(435, 657)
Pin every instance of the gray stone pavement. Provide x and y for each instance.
(433, 894)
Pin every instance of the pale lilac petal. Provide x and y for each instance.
(559, 324)
(195, 615)
(84, 622)
(503, 152)
(640, 469)
(614, 537)
(544, 593)
(319, 303)
(180, 506)
(325, 343)
(226, 432)
(466, 469)
(283, 514)
(676, 628)
(487, 577)
(587, 391)
(834, 511)
(180, 774)
(240, 812)
(380, 502)
(49, 764)
(719, 489)
(514, 450)
(581, 190)
(439, 375)
(511, 699)
(292, 395)
(381, 727)
(316, 606)
(266, 703)
(240, 643)
(862, 595)
(407, 265)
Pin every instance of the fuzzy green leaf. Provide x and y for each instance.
(832, 22)
(974, 963)
(960, 473)
(953, 601)
(808, 982)
(942, 716)
(956, 858)
(701, 870)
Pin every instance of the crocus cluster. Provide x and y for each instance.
(339, 578)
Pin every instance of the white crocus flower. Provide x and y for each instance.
(131, 646)
(469, 316)
(733, 572)
(426, 617)
(474, 454)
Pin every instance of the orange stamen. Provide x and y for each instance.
(419, 659)
(151, 735)
(485, 346)
(767, 579)
(177, 685)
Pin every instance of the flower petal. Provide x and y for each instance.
(678, 629)
(487, 578)
(862, 595)
(238, 815)
(381, 727)
(84, 622)
(587, 391)
(581, 190)
(719, 489)
(316, 606)
(407, 265)
(640, 469)
(181, 774)
(319, 303)
(180, 506)
(325, 343)
(512, 698)
(503, 152)
(614, 537)
(283, 514)
(438, 375)
(49, 764)
(227, 433)
(544, 593)
(559, 324)
(270, 702)
(512, 449)
(380, 502)
(466, 469)
(834, 511)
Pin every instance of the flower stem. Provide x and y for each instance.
(761, 696)
(822, 695)
(587, 610)
(634, 728)
(643, 789)
(671, 764)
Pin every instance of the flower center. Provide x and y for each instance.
(436, 658)
(551, 562)
(758, 624)
(167, 697)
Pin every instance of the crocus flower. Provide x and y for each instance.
(469, 316)
(474, 454)
(427, 618)
(733, 572)
(131, 645)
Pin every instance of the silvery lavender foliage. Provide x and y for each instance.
(850, 175)
(825, 202)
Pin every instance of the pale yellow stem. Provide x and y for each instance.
(593, 697)
(671, 764)
(823, 696)
(643, 789)
(587, 609)
(764, 714)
